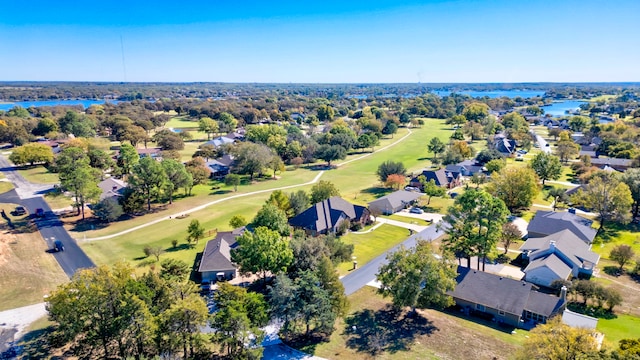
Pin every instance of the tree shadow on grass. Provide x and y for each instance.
(178, 248)
(36, 344)
(377, 191)
(385, 330)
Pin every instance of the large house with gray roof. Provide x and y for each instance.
(215, 264)
(557, 257)
(545, 223)
(440, 177)
(327, 216)
(504, 300)
(394, 202)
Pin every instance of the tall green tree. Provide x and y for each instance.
(430, 188)
(415, 278)
(546, 166)
(631, 177)
(232, 180)
(390, 167)
(558, 341)
(31, 153)
(127, 158)
(262, 251)
(331, 153)
(181, 324)
(208, 125)
(149, 178)
(299, 202)
(323, 190)
(517, 187)
(272, 217)
(82, 181)
(606, 195)
(195, 231)
(177, 177)
(622, 254)
(475, 225)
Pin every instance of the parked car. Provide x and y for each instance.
(39, 212)
(411, 188)
(58, 246)
(205, 286)
(453, 195)
(19, 210)
(416, 210)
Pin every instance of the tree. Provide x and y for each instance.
(325, 113)
(463, 149)
(515, 186)
(495, 165)
(281, 201)
(579, 123)
(208, 125)
(237, 221)
(181, 324)
(476, 219)
(251, 158)
(232, 180)
(430, 188)
(566, 148)
(476, 111)
(174, 269)
(556, 340)
(390, 167)
(100, 159)
(631, 177)
(207, 151)
(108, 210)
(156, 251)
(198, 170)
(176, 176)
(273, 218)
(195, 231)
(264, 251)
(82, 181)
(127, 158)
(276, 164)
(558, 195)
(148, 177)
(299, 202)
(31, 153)
(330, 153)
(415, 278)
(395, 181)
(168, 140)
(509, 234)
(227, 121)
(368, 140)
(323, 190)
(390, 128)
(622, 254)
(546, 166)
(606, 195)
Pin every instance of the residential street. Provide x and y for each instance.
(543, 144)
(357, 279)
(30, 196)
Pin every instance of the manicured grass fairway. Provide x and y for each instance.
(39, 175)
(180, 122)
(622, 327)
(368, 246)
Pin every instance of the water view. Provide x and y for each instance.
(26, 104)
(493, 94)
(560, 108)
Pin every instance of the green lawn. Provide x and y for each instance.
(617, 234)
(181, 122)
(407, 219)
(5, 186)
(622, 327)
(368, 246)
(58, 200)
(39, 175)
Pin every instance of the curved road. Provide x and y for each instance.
(30, 196)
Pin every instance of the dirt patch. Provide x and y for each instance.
(6, 238)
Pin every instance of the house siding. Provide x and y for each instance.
(212, 277)
(509, 319)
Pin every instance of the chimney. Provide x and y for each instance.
(552, 245)
(563, 294)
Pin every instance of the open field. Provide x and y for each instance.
(39, 175)
(368, 246)
(622, 327)
(27, 271)
(181, 122)
(435, 335)
(58, 200)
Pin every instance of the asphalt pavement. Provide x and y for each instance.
(360, 277)
(29, 195)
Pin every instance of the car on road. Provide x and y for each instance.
(58, 246)
(19, 210)
(416, 210)
(39, 212)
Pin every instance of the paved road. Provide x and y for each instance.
(357, 279)
(542, 143)
(30, 196)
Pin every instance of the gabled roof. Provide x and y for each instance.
(441, 177)
(325, 214)
(551, 262)
(395, 199)
(505, 294)
(613, 162)
(566, 242)
(577, 320)
(223, 161)
(550, 222)
(111, 187)
(217, 252)
(219, 141)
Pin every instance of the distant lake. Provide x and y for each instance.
(560, 108)
(493, 94)
(27, 104)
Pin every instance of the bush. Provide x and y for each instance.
(174, 243)
(108, 210)
(148, 250)
(343, 227)
(356, 226)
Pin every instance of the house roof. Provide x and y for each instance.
(325, 214)
(551, 262)
(395, 199)
(111, 187)
(576, 320)
(613, 162)
(223, 161)
(497, 292)
(217, 252)
(441, 177)
(149, 151)
(219, 141)
(550, 222)
(469, 165)
(565, 242)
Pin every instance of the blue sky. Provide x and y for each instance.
(321, 41)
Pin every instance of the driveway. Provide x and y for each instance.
(14, 322)
(367, 273)
(543, 144)
(30, 196)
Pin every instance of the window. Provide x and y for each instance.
(500, 312)
(479, 307)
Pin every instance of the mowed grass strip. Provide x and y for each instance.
(39, 175)
(437, 335)
(369, 245)
(621, 327)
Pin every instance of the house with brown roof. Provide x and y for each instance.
(216, 264)
(327, 216)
